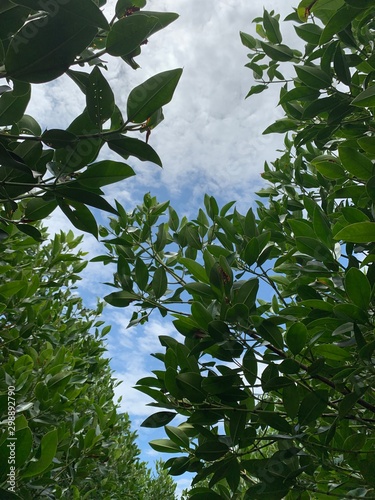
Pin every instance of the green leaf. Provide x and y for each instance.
(12, 107)
(365, 98)
(80, 216)
(37, 208)
(275, 421)
(211, 450)
(219, 384)
(338, 22)
(190, 384)
(30, 231)
(165, 446)
(204, 494)
(128, 146)
(314, 248)
(104, 172)
(302, 94)
(359, 232)
(312, 406)
(277, 52)
(200, 289)
(195, 269)
(296, 337)
(358, 288)
(28, 125)
(271, 26)
(247, 293)
(341, 66)
(347, 403)
(269, 332)
(128, 33)
(9, 495)
(281, 126)
(121, 299)
(309, 32)
(313, 77)
(329, 166)
(248, 40)
(11, 288)
(100, 101)
(151, 95)
(80, 195)
(356, 163)
(56, 139)
(52, 49)
(178, 436)
(158, 419)
(250, 367)
(141, 274)
(84, 11)
(291, 400)
(332, 352)
(256, 89)
(200, 315)
(159, 283)
(48, 447)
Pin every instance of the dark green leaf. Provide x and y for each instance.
(271, 26)
(128, 146)
(50, 52)
(80, 216)
(121, 299)
(104, 172)
(313, 77)
(158, 419)
(128, 33)
(159, 283)
(100, 101)
(359, 232)
(365, 98)
(151, 95)
(358, 288)
(56, 139)
(281, 126)
(164, 446)
(190, 385)
(296, 337)
(269, 332)
(312, 406)
(12, 107)
(277, 52)
(211, 450)
(48, 447)
(356, 163)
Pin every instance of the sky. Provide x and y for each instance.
(210, 142)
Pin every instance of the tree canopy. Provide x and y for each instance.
(71, 441)
(274, 376)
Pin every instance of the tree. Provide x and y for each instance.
(41, 40)
(69, 439)
(274, 376)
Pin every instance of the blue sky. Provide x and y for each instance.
(210, 141)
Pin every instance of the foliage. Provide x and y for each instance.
(70, 442)
(273, 370)
(41, 40)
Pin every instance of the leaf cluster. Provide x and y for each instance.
(44, 169)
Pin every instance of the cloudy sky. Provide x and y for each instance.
(210, 141)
